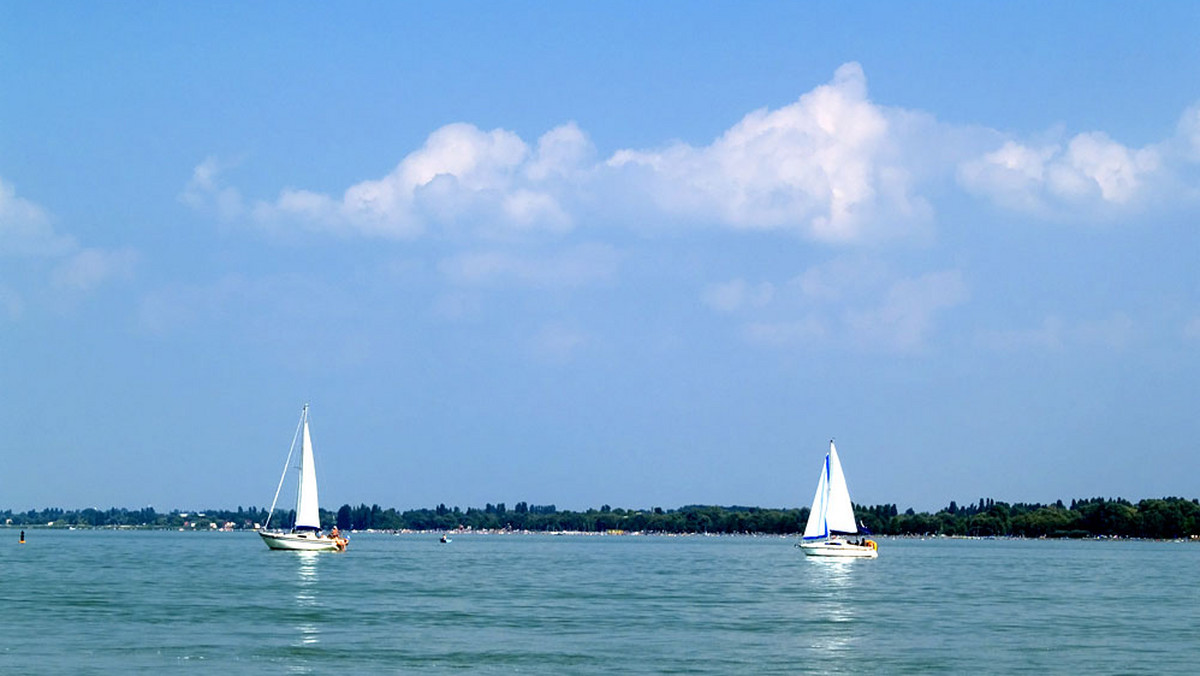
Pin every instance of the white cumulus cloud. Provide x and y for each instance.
(1090, 171)
(563, 152)
(460, 173)
(825, 165)
(832, 166)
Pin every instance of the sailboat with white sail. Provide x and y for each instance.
(832, 517)
(305, 534)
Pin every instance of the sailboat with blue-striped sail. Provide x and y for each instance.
(831, 520)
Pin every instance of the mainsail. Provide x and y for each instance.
(307, 515)
(832, 513)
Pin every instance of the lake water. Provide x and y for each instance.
(101, 602)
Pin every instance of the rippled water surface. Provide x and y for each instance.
(91, 602)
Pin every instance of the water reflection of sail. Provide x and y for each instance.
(835, 607)
(307, 587)
(836, 575)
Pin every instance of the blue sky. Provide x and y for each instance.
(598, 253)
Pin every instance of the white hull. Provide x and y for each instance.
(301, 542)
(839, 550)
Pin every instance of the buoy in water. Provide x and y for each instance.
(22, 538)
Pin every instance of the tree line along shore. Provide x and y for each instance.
(1165, 518)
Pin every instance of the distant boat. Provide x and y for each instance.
(832, 516)
(305, 534)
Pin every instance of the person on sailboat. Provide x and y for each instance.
(336, 536)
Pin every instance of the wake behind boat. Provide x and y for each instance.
(832, 515)
(305, 534)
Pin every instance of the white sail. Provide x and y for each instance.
(831, 508)
(816, 528)
(307, 514)
(839, 514)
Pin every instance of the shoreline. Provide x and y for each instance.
(593, 534)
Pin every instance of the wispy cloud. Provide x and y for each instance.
(1191, 330)
(11, 304)
(173, 308)
(1188, 133)
(557, 343)
(252, 307)
(25, 228)
(572, 267)
(843, 278)
(788, 333)
(1055, 333)
(735, 294)
(855, 304)
(1047, 336)
(904, 318)
(88, 268)
(205, 189)
(26, 231)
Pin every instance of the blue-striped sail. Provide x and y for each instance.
(832, 513)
